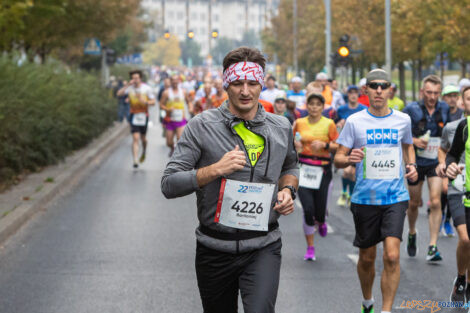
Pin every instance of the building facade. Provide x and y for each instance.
(231, 18)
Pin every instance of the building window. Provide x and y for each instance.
(203, 16)
(194, 16)
(216, 17)
(171, 14)
(180, 15)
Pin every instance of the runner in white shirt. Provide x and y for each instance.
(377, 140)
(271, 92)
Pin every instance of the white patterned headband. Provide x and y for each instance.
(243, 71)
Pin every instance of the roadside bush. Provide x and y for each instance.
(46, 112)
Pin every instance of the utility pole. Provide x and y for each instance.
(163, 15)
(388, 39)
(187, 16)
(329, 68)
(210, 27)
(296, 65)
(104, 67)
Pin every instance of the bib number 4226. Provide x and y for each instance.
(247, 207)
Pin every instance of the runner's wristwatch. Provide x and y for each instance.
(293, 192)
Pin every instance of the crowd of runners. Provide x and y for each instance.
(248, 147)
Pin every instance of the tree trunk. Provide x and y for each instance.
(463, 69)
(353, 73)
(401, 77)
(420, 73)
(442, 65)
(413, 79)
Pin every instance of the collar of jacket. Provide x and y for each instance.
(231, 120)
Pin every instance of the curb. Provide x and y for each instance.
(71, 177)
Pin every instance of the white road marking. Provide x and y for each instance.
(354, 258)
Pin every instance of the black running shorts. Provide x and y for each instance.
(374, 223)
(457, 209)
(423, 172)
(138, 129)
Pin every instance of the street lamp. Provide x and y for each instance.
(215, 33)
(167, 35)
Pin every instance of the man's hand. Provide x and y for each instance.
(356, 156)
(318, 145)
(285, 204)
(453, 170)
(340, 123)
(441, 170)
(232, 161)
(420, 143)
(411, 173)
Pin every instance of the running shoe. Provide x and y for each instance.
(310, 254)
(136, 165)
(433, 255)
(448, 230)
(367, 310)
(458, 291)
(342, 199)
(142, 158)
(467, 294)
(323, 229)
(411, 247)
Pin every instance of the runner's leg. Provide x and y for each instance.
(435, 217)
(259, 280)
(170, 134)
(415, 198)
(391, 272)
(135, 146)
(320, 197)
(366, 270)
(179, 132)
(463, 250)
(217, 277)
(307, 200)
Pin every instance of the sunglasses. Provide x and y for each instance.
(376, 86)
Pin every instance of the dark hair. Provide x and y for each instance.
(244, 54)
(271, 77)
(141, 75)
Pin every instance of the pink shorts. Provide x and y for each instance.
(174, 125)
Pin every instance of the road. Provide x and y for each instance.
(116, 244)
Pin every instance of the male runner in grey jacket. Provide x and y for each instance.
(242, 164)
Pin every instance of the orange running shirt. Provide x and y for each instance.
(323, 130)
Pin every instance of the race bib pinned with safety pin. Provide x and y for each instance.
(244, 205)
(310, 176)
(139, 119)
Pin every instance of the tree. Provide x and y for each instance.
(223, 46)
(163, 52)
(190, 49)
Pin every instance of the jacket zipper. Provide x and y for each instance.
(251, 166)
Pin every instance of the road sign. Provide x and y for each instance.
(92, 46)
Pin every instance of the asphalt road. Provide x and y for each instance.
(116, 244)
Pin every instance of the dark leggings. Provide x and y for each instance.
(467, 220)
(314, 200)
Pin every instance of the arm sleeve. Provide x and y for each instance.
(407, 136)
(445, 143)
(333, 132)
(458, 144)
(179, 177)
(290, 166)
(346, 138)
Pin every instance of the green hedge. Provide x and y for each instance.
(47, 111)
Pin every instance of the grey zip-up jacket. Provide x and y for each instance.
(205, 140)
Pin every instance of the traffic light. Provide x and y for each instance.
(215, 33)
(110, 56)
(344, 51)
(190, 34)
(167, 34)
